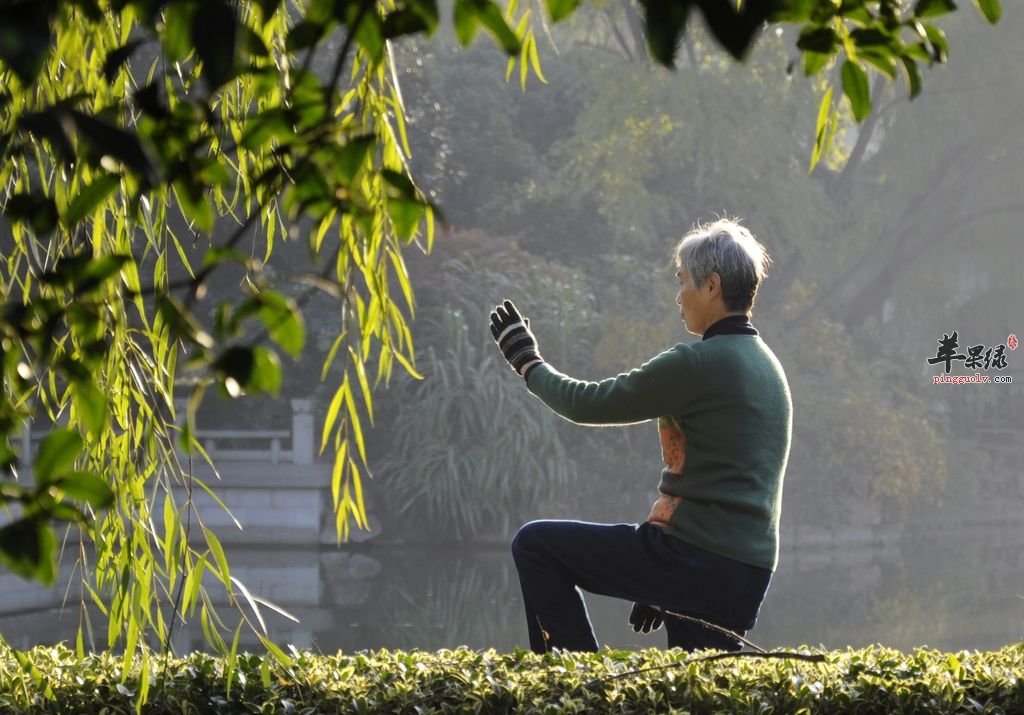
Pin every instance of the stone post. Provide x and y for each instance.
(302, 431)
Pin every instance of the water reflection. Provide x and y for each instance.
(963, 589)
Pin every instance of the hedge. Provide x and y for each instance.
(869, 680)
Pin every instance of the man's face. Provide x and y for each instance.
(688, 301)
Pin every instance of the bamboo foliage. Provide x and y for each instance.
(470, 452)
(135, 141)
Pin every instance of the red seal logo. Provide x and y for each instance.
(1011, 342)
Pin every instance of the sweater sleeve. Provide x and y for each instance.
(655, 389)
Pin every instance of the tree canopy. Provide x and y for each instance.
(151, 150)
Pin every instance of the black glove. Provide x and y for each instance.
(645, 619)
(516, 342)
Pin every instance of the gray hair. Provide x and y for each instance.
(730, 250)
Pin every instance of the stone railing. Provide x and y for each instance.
(230, 445)
(264, 445)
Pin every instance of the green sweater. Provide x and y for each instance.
(731, 399)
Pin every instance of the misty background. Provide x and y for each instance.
(902, 518)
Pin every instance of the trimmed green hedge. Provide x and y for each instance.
(870, 680)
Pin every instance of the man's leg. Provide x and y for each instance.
(738, 616)
(556, 614)
(556, 559)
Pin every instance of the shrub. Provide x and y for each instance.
(876, 679)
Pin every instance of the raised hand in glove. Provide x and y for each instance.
(512, 334)
(645, 619)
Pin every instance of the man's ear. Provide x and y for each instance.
(715, 282)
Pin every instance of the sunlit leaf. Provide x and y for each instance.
(856, 89)
(561, 9)
(465, 17)
(821, 127)
(267, 374)
(90, 197)
(92, 404)
(991, 9)
(218, 554)
(405, 217)
(283, 321)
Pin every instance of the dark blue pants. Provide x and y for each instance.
(556, 559)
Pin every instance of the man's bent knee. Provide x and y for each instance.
(528, 537)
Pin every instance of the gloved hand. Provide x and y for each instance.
(512, 334)
(645, 619)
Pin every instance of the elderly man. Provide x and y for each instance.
(724, 411)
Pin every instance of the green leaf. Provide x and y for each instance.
(734, 25)
(270, 124)
(181, 322)
(821, 127)
(823, 40)
(465, 17)
(933, 8)
(25, 38)
(283, 320)
(913, 76)
(274, 650)
(561, 9)
(883, 61)
(871, 37)
(90, 197)
(814, 62)
(91, 404)
(194, 203)
(177, 30)
(665, 23)
(267, 375)
(235, 368)
(309, 193)
(427, 10)
(49, 124)
(939, 43)
(400, 184)
(856, 89)
(57, 453)
(991, 9)
(87, 487)
(268, 8)
(794, 11)
(107, 139)
(38, 211)
(370, 33)
(352, 157)
(405, 21)
(252, 44)
(491, 17)
(117, 57)
(29, 549)
(303, 34)
(218, 554)
(405, 217)
(215, 35)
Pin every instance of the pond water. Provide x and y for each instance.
(961, 589)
